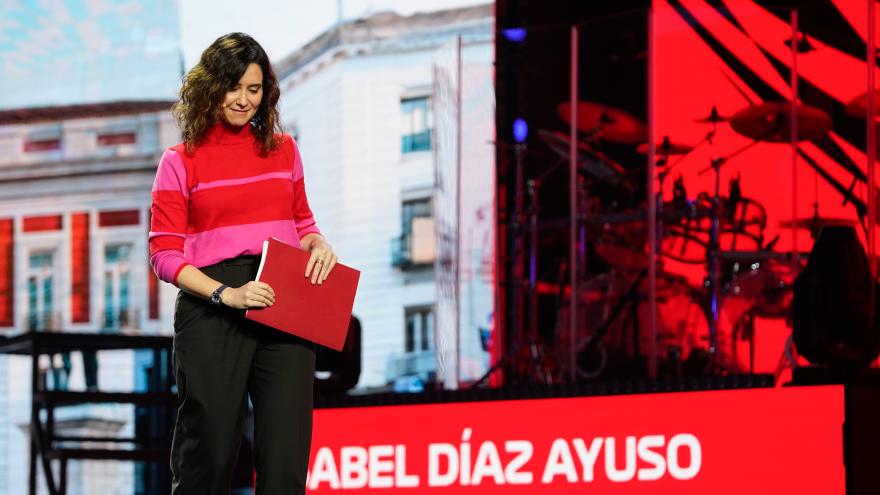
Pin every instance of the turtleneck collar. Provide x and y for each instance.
(221, 133)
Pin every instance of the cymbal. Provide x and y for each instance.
(666, 148)
(858, 106)
(771, 122)
(712, 118)
(817, 223)
(591, 161)
(605, 122)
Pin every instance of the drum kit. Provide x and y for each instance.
(701, 328)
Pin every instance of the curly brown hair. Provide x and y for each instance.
(220, 68)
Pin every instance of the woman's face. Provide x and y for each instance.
(242, 101)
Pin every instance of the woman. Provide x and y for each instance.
(233, 182)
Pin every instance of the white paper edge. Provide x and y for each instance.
(262, 262)
(263, 258)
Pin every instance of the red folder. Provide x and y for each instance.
(319, 313)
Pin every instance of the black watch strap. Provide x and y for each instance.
(215, 296)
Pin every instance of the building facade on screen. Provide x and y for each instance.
(85, 89)
(359, 101)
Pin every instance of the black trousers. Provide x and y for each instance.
(220, 359)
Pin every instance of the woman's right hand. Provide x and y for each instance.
(250, 295)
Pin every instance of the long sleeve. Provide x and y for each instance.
(302, 214)
(169, 217)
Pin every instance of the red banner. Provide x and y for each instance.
(720, 442)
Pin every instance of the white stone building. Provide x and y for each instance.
(358, 100)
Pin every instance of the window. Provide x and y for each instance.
(417, 364)
(43, 138)
(413, 209)
(416, 124)
(119, 218)
(41, 297)
(34, 145)
(419, 329)
(115, 138)
(41, 223)
(117, 276)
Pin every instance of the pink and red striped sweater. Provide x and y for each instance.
(224, 200)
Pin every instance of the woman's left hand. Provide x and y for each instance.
(322, 260)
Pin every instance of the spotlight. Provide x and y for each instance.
(517, 35)
(520, 130)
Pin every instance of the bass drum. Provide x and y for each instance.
(614, 323)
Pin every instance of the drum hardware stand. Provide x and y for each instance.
(713, 253)
(522, 331)
(536, 351)
(517, 225)
(747, 331)
(631, 299)
(533, 187)
(706, 139)
(716, 163)
(713, 265)
(663, 161)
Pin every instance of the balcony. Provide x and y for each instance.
(416, 249)
(121, 320)
(420, 141)
(422, 364)
(400, 257)
(43, 321)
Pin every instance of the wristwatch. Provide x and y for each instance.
(215, 296)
